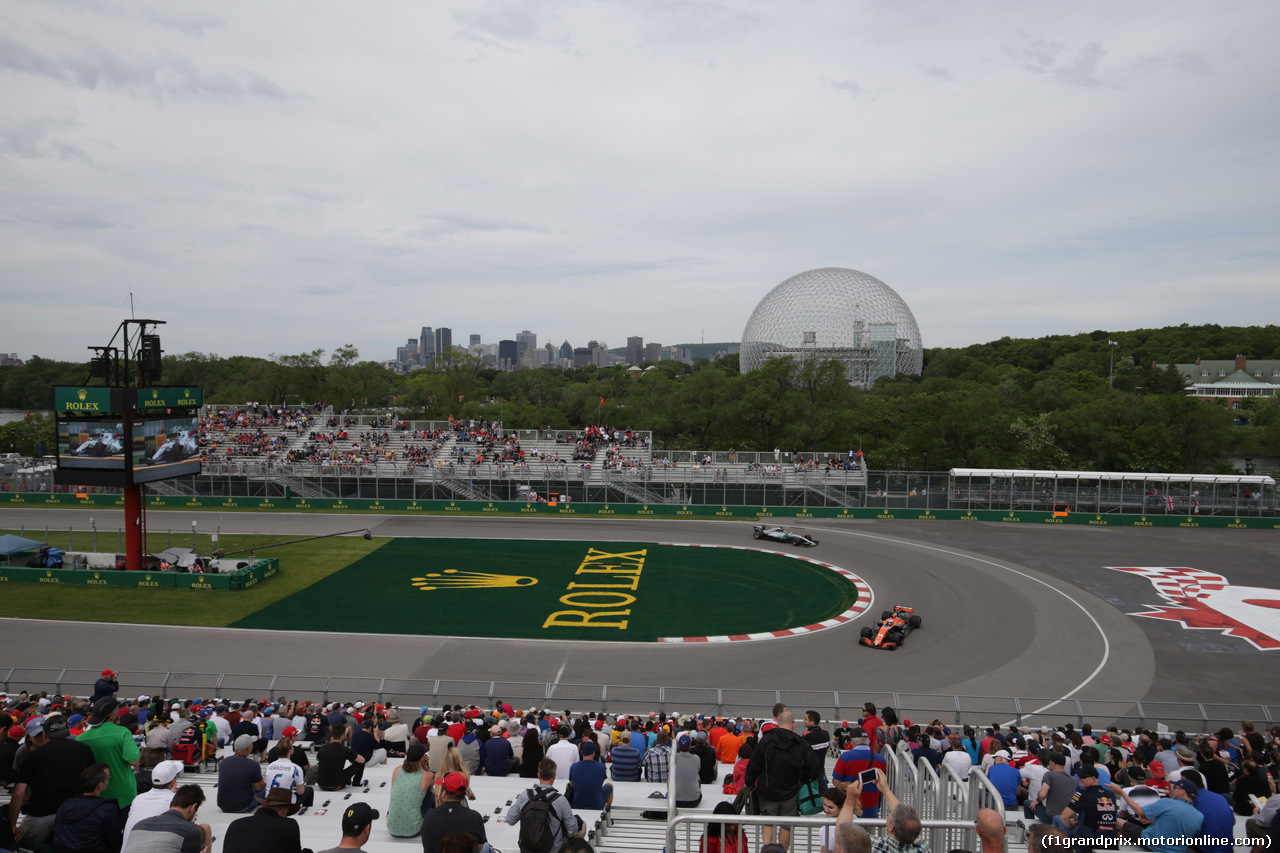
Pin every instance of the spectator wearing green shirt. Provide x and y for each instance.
(113, 746)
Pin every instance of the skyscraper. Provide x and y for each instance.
(475, 341)
(635, 350)
(653, 351)
(426, 346)
(526, 340)
(566, 351)
(508, 354)
(444, 340)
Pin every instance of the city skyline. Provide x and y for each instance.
(273, 178)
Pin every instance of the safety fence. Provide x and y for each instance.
(921, 708)
(561, 508)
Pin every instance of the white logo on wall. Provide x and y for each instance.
(1198, 599)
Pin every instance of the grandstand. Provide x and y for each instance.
(946, 799)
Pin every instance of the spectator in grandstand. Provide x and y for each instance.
(869, 722)
(1261, 824)
(957, 757)
(707, 764)
(563, 752)
(1056, 790)
(175, 828)
(1005, 777)
(471, 749)
(239, 776)
(532, 753)
(991, 829)
(338, 764)
(499, 757)
(1251, 782)
(357, 825)
(1091, 814)
(282, 772)
(411, 784)
(113, 746)
(1043, 838)
(158, 735)
(726, 837)
(248, 725)
(780, 765)
(89, 821)
(728, 744)
(221, 724)
(587, 787)
(452, 763)
(1173, 819)
(105, 686)
(452, 816)
(269, 829)
(1214, 770)
(561, 821)
(316, 729)
(13, 735)
(48, 777)
(164, 782)
(626, 762)
(853, 761)
(395, 736)
(687, 765)
(1166, 756)
(365, 743)
(657, 761)
(1219, 820)
(902, 824)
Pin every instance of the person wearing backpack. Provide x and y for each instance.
(453, 816)
(544, 817)
(781, 764)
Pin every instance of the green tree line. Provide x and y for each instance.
(1047, 402)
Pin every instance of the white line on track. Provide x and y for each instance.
(1106, 643)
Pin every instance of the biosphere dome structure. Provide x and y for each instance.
(835, 313)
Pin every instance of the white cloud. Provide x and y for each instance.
(298, 175)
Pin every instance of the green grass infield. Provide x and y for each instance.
(636, 592)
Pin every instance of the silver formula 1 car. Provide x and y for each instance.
(783, 535)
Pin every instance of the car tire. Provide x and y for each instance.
(914, 621)
(755, 534)
(885, 614)
(868, 633)
(797, 542)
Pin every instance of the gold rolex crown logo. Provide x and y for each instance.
(82, 393)
(456, 579)
(154, 394)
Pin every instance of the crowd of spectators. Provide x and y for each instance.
(65, 758)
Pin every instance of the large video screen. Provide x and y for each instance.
(92, 445)
(165, 448)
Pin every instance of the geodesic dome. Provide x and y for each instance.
(835, 314)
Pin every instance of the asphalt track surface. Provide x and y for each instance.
(1008, 610)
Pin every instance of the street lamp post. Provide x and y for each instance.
(1112, 345)
(193, 534)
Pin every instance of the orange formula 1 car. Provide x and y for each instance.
(892, 629)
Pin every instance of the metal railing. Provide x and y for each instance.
(613, 698)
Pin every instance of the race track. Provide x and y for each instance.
(1007, 610)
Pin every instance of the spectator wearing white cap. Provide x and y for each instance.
(1005, 777)
(164, 781)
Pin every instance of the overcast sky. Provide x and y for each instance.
(283, 176)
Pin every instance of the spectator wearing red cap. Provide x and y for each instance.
(453, 816)
(8, 752)
(107, 685)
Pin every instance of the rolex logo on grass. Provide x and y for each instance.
(455, 579)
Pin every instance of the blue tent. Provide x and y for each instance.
(10, 545)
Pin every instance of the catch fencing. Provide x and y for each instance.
(921, 708)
